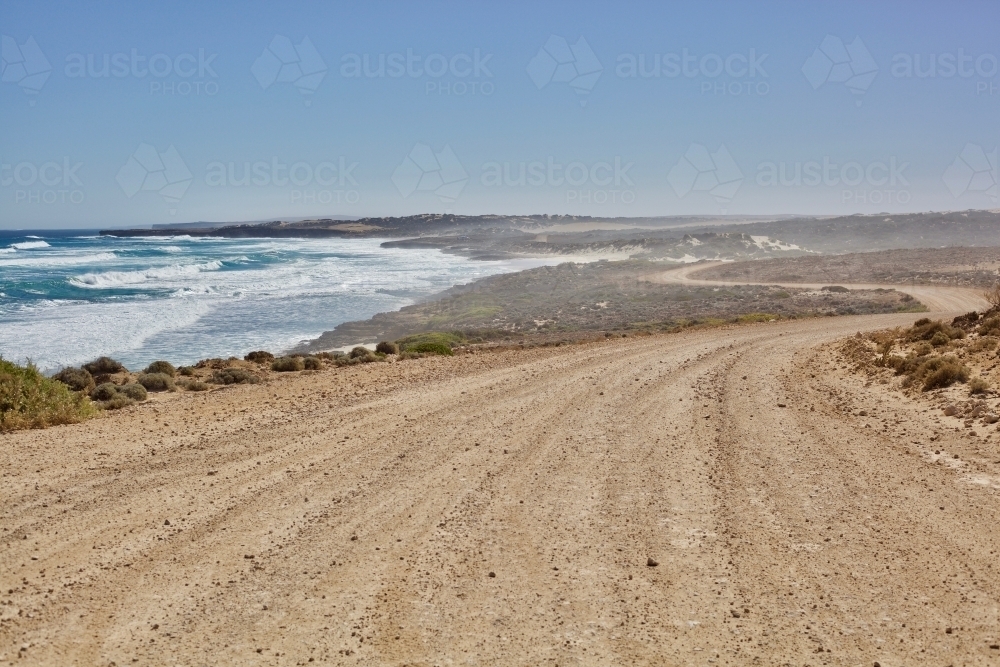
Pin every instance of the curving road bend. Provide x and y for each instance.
(937, 298)
(721, 497)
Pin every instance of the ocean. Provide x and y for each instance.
(69, 297)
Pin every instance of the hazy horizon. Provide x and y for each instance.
(181, 112)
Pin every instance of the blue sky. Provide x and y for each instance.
(739, 108)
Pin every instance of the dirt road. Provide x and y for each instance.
(937, 298)
(716, 497)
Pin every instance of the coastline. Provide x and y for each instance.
(573, 301)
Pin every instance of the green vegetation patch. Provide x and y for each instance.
(431, 342)
(28, 399)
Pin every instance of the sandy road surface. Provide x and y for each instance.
(938, 298)
(355, 516)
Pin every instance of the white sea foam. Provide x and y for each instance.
(52, 260)
(78, 332)
(112, 279)
(272, 294)
(30, 245)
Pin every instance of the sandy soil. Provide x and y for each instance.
(705, 498)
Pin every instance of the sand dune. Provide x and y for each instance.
(501, 509)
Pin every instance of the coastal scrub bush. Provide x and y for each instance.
(990, 326)
(430, 348)
(359, 355)
(104, 392)
(926, 329)
(186, 371)
(978, 386)
(193, 385)
(103, 365)
(134, 391)
(116, 402)
(234, 376)
(448, 339)
(28, 399)
(156, 381)
(214, 363)
(259, 357)
(287, 364)
(386, 347)
(312, 364)
(938, 372)
(940, 338)
(983, 343)
(164, 367)
(76, 379)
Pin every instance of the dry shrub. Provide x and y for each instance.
(116, 402)
(978, 386)
(992, 295)
(983, 343)
(103, 365)
(287, 364)
(214, 363)
(259, 357)
(940, 338)
(387, 347)
(938, 372)
(104, 392)
(156, 381)
(28, 399)
(192, 385)
(76, 379)
(312, 364)
(234, 376)
(134, 391)
(164, 367)
(186, 371)
(926, 329)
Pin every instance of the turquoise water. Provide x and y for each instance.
(67, 297)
